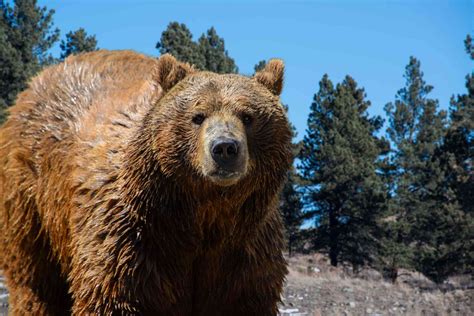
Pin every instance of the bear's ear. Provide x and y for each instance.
(170, 71)
(272, 76)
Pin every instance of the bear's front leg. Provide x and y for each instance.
(127, 274)
(99, 286)
(245, 278)
(33, 276)
(257, 273)
(34, 281)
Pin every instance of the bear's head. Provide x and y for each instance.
(219, 129)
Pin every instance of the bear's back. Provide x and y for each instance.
(86, 99)
(66, 133)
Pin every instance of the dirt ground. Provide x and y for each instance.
(314, 288)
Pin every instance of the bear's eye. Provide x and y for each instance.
(247, 119)
(198, 119)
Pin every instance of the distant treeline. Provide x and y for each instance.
(403, 200)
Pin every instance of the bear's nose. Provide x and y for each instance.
(225, 151)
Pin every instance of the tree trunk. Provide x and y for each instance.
(333, 236)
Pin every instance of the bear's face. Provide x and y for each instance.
(222, 128)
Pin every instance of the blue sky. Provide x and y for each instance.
(370, 40)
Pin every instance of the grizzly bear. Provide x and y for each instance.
(131, 185)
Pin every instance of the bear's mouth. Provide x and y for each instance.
(222, 173)
(224, 177)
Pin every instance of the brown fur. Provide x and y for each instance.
(105, 209)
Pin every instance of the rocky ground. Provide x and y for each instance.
(314, 288)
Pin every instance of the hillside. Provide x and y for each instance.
(315, 288)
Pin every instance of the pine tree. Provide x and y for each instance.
(78, 42)
(11, 73)
(260, 65)
(459, 141)
(339, 162)
(177, 40)
(393, 252)
(427, 212)
(469, 46)
(455, 157)
(216, 58)
(26, 35)
(208, 53)
(291, 209)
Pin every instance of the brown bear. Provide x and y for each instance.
(131, 185)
